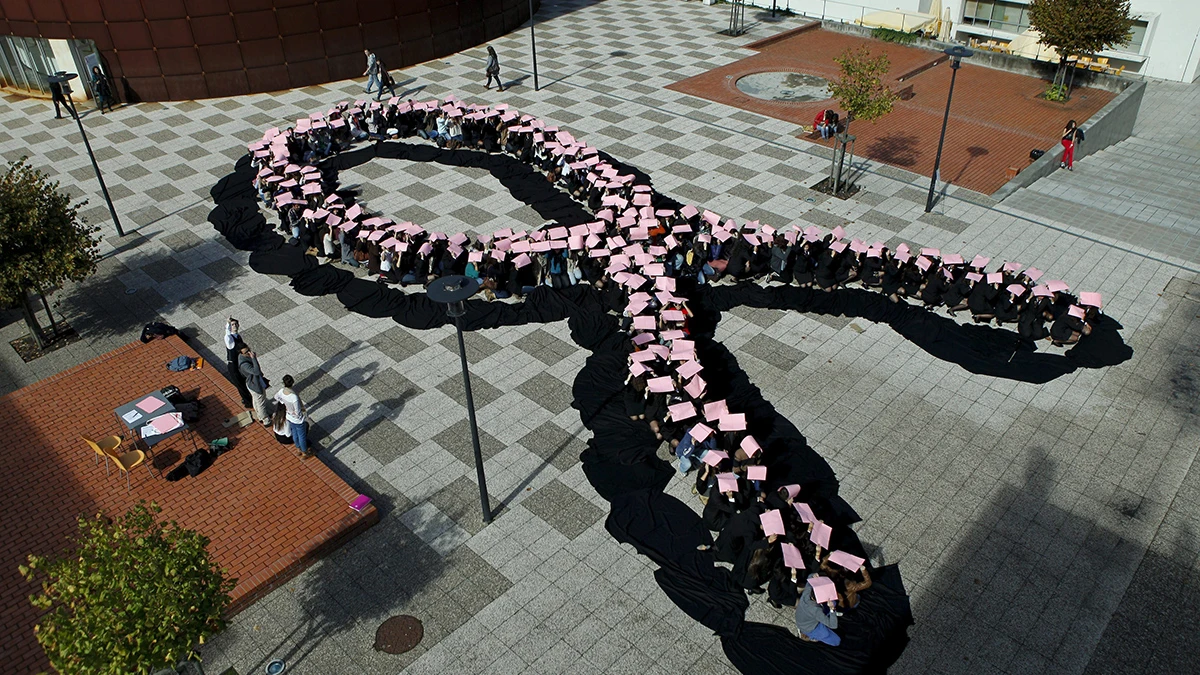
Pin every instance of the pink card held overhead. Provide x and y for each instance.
(791, 556)
(733, 422)
(793, 490)
(644, 323)
(824, 589)
(772, 522)
(750, 446)
(727, 482)
(756, 472)
(847, 561)
(681, 411)
(695, 387)
(805, 512)
(700, 433)
(689, 368)
(714, 410)
(820, 534)
(660, 385)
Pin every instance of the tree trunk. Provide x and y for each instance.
(49, 314)
(31, 321)
(841, 155)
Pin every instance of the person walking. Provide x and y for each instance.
(56, 94)
(372, 71)
(233, 349)
(101, 89)
(1072, 134)
(493, 69)
(297, 415)
(385, 80)
(255, 383)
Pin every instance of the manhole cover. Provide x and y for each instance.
(399, 634)
(785, 87)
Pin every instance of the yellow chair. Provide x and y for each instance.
(130, 460)
(1100, 65)
(103, 448)
(1116, 71)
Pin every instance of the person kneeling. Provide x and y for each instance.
(816, 614)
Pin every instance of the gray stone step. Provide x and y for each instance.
(1119, 188)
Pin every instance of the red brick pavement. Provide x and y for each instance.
(996, 117)
(268, 513)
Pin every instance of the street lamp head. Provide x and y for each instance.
(957, 53)
(453, 291)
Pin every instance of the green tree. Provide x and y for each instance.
(135, 595)
(43, 241)
(860, 90)
(1080, 27)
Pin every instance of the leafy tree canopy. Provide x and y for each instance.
(860, 90)
(1080, 27)
(43, 242)
(135, 595)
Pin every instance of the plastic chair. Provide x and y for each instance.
(1100, 65)
(103, 448)
(130, 460)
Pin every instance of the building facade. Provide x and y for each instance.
(1164, 44)
(156, 50)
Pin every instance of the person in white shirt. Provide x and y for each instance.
(297, 414)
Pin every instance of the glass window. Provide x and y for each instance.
(1135, 41)
(1002, 15)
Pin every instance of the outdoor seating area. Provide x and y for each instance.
(112, 411)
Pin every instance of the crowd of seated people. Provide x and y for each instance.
(643, 255)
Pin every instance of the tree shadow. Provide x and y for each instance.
(896, 148)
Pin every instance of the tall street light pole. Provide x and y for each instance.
(63, 79)
(956, 53)
(453, 291)
(533, 46)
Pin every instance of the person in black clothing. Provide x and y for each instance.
(56, 94)
(982, 299)
(101, 89)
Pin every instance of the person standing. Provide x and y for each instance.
(297, 415)
(101, 89)
(372, 71)
(255, 383)
(56, 94)
(1072, 134)
(493, 69)
(385, 80)
(233, 348)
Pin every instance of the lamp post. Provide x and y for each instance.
(454, 290)
(956, 53)
(533, 49)
(63, 79)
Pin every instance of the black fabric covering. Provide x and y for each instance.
(620, 459)
(979, 349)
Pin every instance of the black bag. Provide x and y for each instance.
(1036, 154)
(157, 330)
(190, 411)
(197, 462)
(172, 394)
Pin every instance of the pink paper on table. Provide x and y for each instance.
(681, 411)
(169, 422)
(699, 433)
(644, 323)
(695, 387)
(150, 404)
(805, 512)
(727, 482)
(823, 589)
(820, 534)
(733, 422)
(756, 472)
(847, 561)
(750, 446)
(660, 385)
(791, 556)
(772, 522)
(689, 369)
(713, 411)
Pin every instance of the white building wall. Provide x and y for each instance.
(1172, 46)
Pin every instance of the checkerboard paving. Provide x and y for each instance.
(1001, 501)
